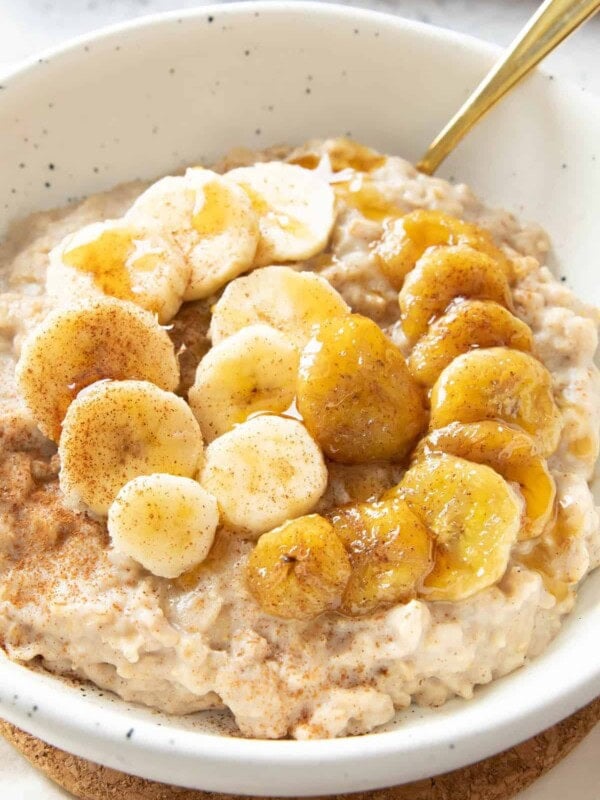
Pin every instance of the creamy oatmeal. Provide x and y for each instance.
(314, 493)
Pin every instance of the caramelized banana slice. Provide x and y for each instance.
(299, 570)
(355, 393)
(405, 240)
(474, 516)
(443, 274)
(390, 552)
(509, 451)
(501, 384)
(466, 325)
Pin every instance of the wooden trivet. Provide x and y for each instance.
(497, 778)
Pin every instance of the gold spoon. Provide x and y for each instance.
(553, 21)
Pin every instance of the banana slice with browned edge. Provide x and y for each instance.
(440, 276)
(298, 570)
(512, 453)
(498, 384)
(355, 393)
(405, 240)
(390, 552)
(466, 325)
(474, 516)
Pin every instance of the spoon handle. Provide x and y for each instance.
(552, 22)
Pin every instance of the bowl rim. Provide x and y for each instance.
(54, 725)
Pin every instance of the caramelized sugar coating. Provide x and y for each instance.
(355, 393)
(440, 276)
(474, 516)
(509, 451)
(466, 325)
(405, 240)
(298, 570)
(498, 384)
(390, 552)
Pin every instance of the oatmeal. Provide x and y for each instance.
(309, 439)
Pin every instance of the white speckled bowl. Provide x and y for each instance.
(147, 97)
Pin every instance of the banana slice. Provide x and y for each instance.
(75, 347)
(115, 431)
(212, 221)
(265, 471)
(295, 208)
(443, 274)
(120, 260)
(355, 393)
(390, 552)
(166, 523)
(499, 384)
(474, 516)
(254, 370)
(466, 325)
(298, 570)
(405, 240)
(512, 453)
(290, 301)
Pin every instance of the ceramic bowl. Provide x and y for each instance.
(145, 98)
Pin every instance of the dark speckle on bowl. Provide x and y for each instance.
(356, 31)
(129, 733)
(210, 18)
(51, 166)
(307, 90)
(246, 52)
(172, 71)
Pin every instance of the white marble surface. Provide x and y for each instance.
(27, 26)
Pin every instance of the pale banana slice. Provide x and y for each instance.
(295, 209)
(122, 260)
(290, 301)
(212, 221)
(265, 471)
(165, 522)
(74, 347)
(253, 370)
(115, 431)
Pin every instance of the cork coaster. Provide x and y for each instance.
(497, 778)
